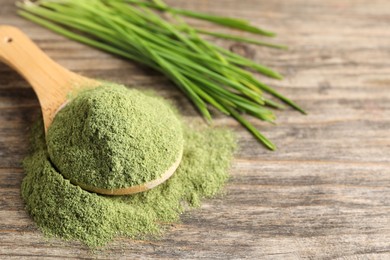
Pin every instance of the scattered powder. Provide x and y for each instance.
(64, 210)
(113, 137)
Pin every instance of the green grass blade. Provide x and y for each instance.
(251, 129)
(243, 39)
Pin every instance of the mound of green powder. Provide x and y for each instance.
(113, 137)
(62, 209)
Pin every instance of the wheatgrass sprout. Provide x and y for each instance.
(154, 34)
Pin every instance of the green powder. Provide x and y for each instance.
(64, 210)
(112, 137)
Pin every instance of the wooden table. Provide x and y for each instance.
(324, 194)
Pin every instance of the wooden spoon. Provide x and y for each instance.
(52, 83)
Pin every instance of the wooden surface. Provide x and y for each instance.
(324, 194)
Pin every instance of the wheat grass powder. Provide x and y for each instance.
(62, 209)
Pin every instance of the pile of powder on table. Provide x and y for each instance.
(64, 210)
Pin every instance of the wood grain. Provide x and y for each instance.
(325, 194)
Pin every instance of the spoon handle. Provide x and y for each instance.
(49, 80)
